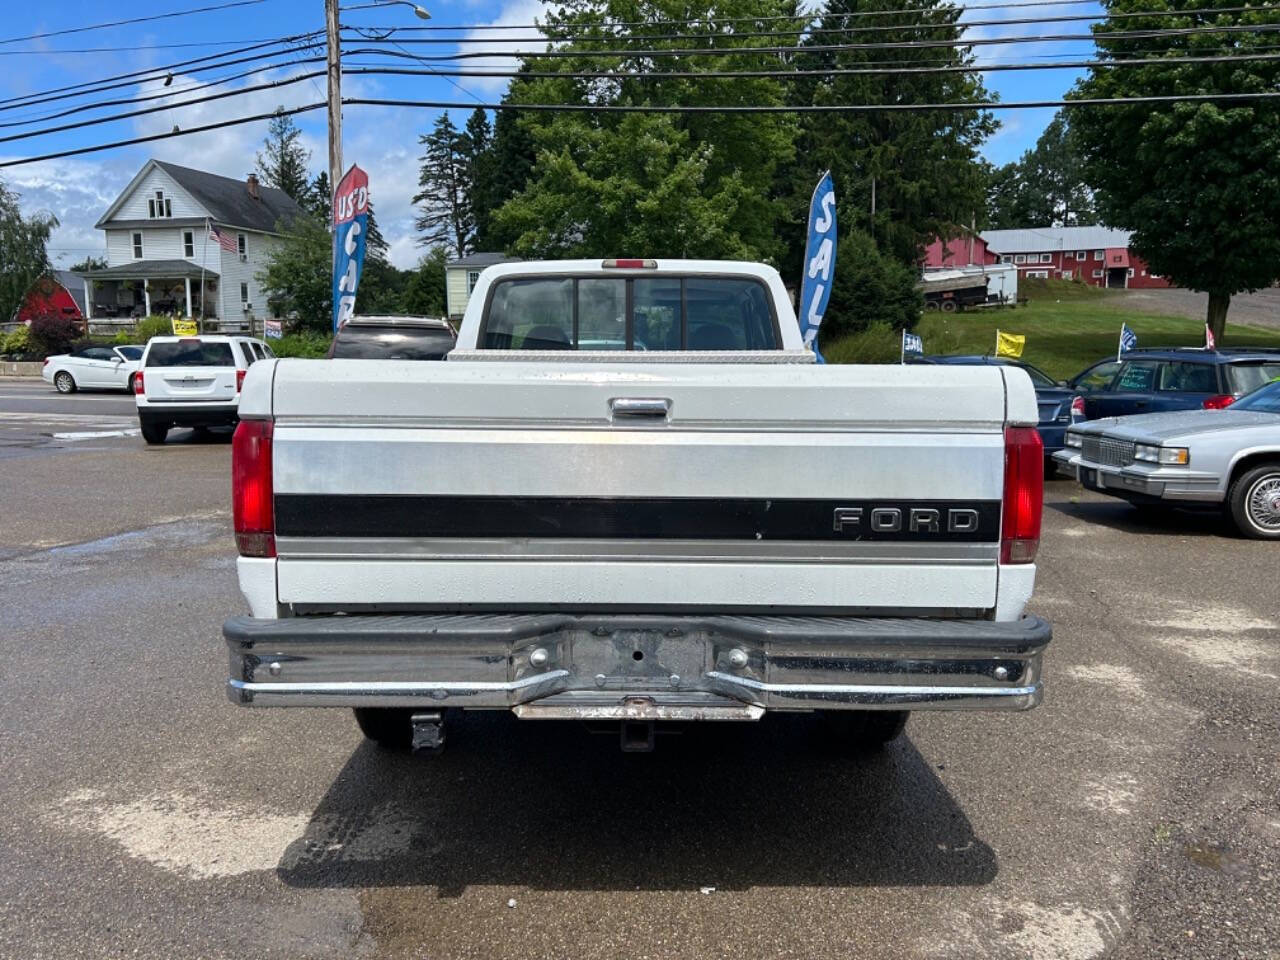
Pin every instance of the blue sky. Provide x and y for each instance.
(381, 140)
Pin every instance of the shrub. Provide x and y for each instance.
(52, 334)
(149, 327)
(869, 289)
(308, 345)
(17, 343)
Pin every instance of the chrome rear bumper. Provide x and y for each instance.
(560, 665)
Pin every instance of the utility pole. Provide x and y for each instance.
(335, 93)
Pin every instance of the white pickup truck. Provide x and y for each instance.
(629, 494)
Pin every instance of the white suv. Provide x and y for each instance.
(192, 382)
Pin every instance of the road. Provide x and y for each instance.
(1133, 815)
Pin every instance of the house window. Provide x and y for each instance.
(473, 276)
(1082, 255)
(1131, 271)
(137, 246)
(242, 245)
(1005, 258)
(1099, 254)
(1020, 258)
(1046, 258)
(1097, 274)
(244, 292)
(159, 206)
(1038, 274)
(188, 244)
(1067, 274)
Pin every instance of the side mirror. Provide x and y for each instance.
(1064, 383)
(117, 359)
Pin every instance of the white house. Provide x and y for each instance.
(460, 278)
(186, 242)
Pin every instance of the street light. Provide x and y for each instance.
(418, 12)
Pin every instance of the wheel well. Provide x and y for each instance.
(1253, 460)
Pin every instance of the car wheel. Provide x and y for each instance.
(865, 731)
(133, 378)
(388, 727)
(64, 382)
(154, 433)
(1254, 501)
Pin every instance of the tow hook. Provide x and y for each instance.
(428, 732)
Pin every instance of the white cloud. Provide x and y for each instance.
(513, 15)
(77, 192)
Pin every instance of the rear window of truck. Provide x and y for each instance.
(629, 313)
(190, 353)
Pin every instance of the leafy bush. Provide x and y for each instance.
(149, 327)
(308, 345)
(52, 334)
(869, 289)
(17, 343)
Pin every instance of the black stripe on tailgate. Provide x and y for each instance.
(631, 518)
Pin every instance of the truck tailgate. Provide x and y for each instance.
(641, 487)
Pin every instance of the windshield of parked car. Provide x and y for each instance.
(1263, 400)
(190, 353)
(1243, 377)
(370, 342)
(629, 313)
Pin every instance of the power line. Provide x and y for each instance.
(222, 124)
(664, 109)
(241, 91)
(845, 47)
(787, 74)
(121, 23)
(159, 73)
(548, 35)
(132, 46)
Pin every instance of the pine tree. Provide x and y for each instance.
(318, 198)
(282, 163)
(444, 212)
(477, 148)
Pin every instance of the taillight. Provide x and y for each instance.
(138, 386)
(1077, 408)
(240, 379)
(252, 512)
(46, 362)
(1023, 495)
(1220, 401)
(624, 264)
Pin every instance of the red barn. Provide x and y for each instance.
(53, 294)
(1099, 256)
(966, 250)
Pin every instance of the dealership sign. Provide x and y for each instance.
(350, 229)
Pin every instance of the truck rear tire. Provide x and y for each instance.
(388, 727)
(865, 731)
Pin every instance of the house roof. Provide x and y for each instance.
(148, 270)
(226, 199)
(1045, 239)
(73, 284)
(481, 260)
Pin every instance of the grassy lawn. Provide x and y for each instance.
(1068, 326)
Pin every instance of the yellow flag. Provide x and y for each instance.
(1009, 344)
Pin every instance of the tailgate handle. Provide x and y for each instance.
(640, 407)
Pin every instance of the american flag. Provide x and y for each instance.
(1209, 342)
(227, 243)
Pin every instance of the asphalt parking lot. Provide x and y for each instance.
(1135, 814)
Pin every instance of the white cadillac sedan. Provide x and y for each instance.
(94, 368)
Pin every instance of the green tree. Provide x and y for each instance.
(869, 288)
(318, 198)
(282, 161)
(298, 274)
(477, 148)
(692, 184)
(89, 263)
(511, 158)
(922, 167)
(24, 251)
(1046, 187)
(424, 294)
(1196, 182)
(444, 214)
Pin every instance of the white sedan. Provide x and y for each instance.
(95, 368)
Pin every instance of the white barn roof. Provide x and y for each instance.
(1046, 239)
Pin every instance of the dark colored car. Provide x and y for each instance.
(1182, 378)
(393, 338)
(1053, 399)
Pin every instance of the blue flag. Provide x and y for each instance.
(912, 345)
(350, 225)
(819, 262)
(1128, 340)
